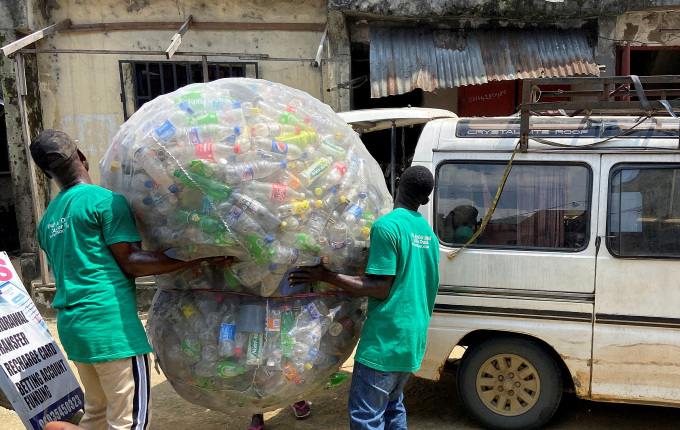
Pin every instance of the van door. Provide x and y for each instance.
(636, 342)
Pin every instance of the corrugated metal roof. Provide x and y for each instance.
(403, 59)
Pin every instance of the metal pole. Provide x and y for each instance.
(393, 157)
(20, 74)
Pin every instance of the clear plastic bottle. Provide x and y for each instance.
(331, 177)
(203, 222)
(301, 241)
(272, 191)
(294, 222)
(274, 350)
(290, 180)
(337, 236)
(314, 171)
(273, 129)
(156, 168)
(332, 146)
(165, 204)
(286, 255)
(256, 211)
(287, 323)
(227, 340)
(298, 207)
(355, 210)
(140, 181)
(248, 273)
(289, 152)
(240, 342)
(235, 173)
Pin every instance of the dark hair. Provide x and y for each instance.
(417, 182)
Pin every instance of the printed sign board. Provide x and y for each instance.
(35, 377)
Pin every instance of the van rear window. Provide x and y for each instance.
(545, 206)
(557, 127)
(644, 211)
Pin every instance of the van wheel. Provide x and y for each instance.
(509, 383)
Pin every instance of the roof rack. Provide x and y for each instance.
(600, 96)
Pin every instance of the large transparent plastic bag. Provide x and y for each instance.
(274, 177)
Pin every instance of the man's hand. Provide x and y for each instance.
(225, 261)
(307, 275)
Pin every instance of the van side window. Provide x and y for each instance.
(545, 206)
(644, 211)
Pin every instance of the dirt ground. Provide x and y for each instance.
(430, 405)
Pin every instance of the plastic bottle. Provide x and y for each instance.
(355, 210)
(240, 342)
(294, 222)
(287, 322)
(154, 167)
(315, 170)
(239, 222)
(165, 204)
(331, 177)
(235, 173)
(286, 255)
(337, 236)
(272, 191)
(209, 186)
(227, 340)
(273, 338)
(289, 179)
(206, 223)
(332, 146)
(272, 129)
(301, 140)
(223, 369)
(248, 273)
(289, 152)
(298, 207)
(140, 181)
(194, 318)
(256, 210)
(336, 379)
(301, 241)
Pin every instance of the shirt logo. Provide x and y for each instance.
(58, 227)
(420, 241)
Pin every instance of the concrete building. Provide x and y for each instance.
(467, 56)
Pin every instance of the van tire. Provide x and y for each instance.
(489, 378)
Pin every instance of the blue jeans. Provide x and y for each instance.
(375, 399)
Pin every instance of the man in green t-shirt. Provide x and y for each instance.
(401, 281)
(91, 241)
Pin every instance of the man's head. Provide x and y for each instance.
(57, 155)
(415, 186)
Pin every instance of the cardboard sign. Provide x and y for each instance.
(35, 377)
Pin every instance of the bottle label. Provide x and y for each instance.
(227, 331)
(333, 148)
(254, 347)
(227, 369)
(204, 151)
(291, 374)
(316, 169)
(191, 347)
(279, 192)
(247, 174)
(235, 212)
(312, 354)
(294, 182)
(166, 131)
(249, 206)
(279, 147)
(338, 245)
(274, 324)
(193, 135)
(313, 310)
(354, 210)
(293, 256)
(301, 207)
(340, 166)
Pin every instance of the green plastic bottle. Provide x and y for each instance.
(228, 369)
(336, 379)
(209, 186)
(287, 322)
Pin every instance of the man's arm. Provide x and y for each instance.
(377, 286)
(136, 262)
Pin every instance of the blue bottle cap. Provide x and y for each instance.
(268, 239)
(186, 108)
(236, 104)
(272, 266)
(362, 195)
(283, 164)
(147, 201)
(230, 139)
(237, 130)
(148, 184)
(170, 252)
(304, 154)
(173, 188)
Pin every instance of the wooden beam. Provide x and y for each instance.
(224, 26)
(177, 38)
(34, 37)
(204, 61)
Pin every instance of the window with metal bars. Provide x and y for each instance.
(142, 81)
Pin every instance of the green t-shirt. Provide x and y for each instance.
(96, 303)
(395, 332)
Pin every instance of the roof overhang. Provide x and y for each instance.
(381, 119)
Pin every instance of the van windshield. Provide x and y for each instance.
(557, 127)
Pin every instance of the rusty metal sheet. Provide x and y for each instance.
(403, 59)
